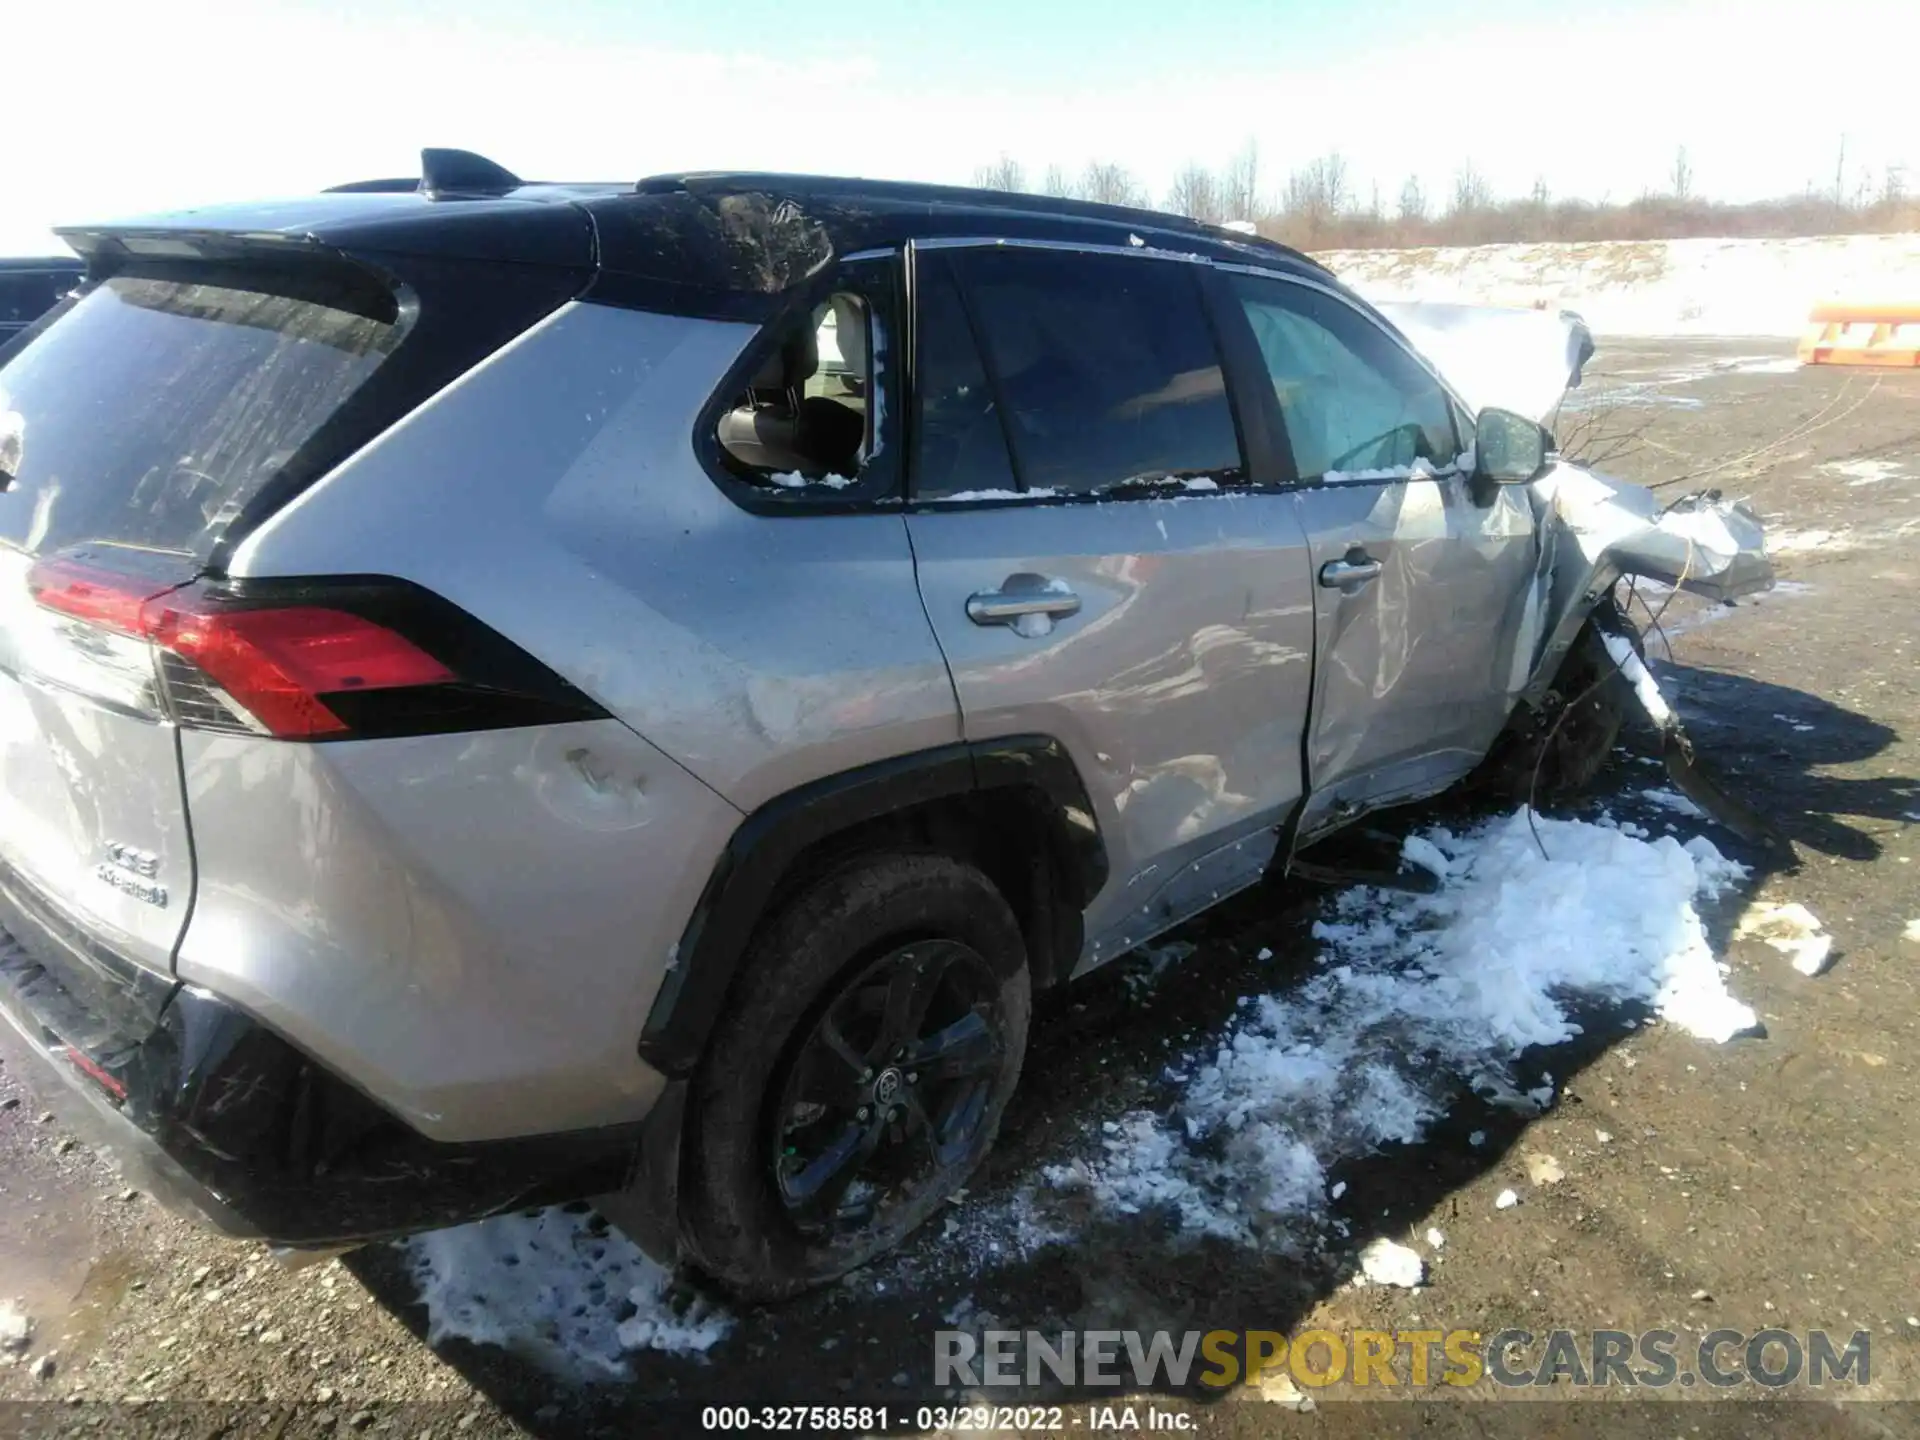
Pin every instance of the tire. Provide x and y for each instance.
(1558, 750)
(826, 987)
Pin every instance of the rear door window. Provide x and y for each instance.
(1104, 368)
(156, 407)
(960, 447)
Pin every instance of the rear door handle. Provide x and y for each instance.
(1010, 606)
(1347, 575)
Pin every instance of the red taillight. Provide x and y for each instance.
(99, 597)
(274, 663)
(277, 663)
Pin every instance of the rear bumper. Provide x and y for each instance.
(219, 1115)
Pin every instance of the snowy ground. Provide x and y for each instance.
(1651, 287)
(1416, 999)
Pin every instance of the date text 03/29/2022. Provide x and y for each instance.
(951, 1419)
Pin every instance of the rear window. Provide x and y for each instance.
(154, 409)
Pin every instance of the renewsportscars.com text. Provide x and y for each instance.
(1383, 1359)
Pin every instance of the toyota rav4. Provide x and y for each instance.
(513, 692)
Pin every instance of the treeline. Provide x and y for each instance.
(1318, 206)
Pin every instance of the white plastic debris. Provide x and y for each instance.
(1386, 1262)
(1339, 1189)
(16, 1329)
(1793, 930)
(1505, 1200)
(1477, 1139)
(1266, 954)
(1602, 1136)
(1912, 932)
(1637, 675)
(1544, 1170)
(1434, 1238)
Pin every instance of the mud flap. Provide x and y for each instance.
(1676, 750)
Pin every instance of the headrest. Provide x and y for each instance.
(791, 365)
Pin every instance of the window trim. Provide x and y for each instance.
(886, 490)
(1266, 452)
(1251, 459)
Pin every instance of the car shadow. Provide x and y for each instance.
(1773, 747)
(1099, 1048)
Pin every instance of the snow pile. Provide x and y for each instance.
(560, 1288)
(1416, 995)
(1652, 287)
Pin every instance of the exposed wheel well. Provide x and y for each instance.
(1010, 833)
(1014, 807)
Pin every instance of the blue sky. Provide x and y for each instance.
(153, 104)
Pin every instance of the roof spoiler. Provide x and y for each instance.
(444, 174)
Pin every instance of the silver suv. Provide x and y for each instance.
(517, 692)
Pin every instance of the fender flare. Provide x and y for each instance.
(770, 840)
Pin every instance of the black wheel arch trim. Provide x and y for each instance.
(768, 842)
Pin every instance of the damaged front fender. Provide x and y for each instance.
(1594, 530)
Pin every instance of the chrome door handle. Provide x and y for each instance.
(1351, 573)
(1009, 607)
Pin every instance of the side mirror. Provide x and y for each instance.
(1510, 449)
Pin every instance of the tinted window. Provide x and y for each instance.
(1352, 399)
(1105, 366)
(154, 409)
(960, 448)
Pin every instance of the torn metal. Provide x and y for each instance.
(1594, 530)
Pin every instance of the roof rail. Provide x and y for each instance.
(442, 172)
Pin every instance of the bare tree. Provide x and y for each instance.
(1317, 193)
(1109, 184)
(1240, 188)
(1413, 199)
(1541, 197)
(1682, 176)
(1057, 184)
(1006, 173)
(1893, 186)
(1196, 194)
(1471, 193)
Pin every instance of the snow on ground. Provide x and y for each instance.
(1413, 998)
(560, 1288)
(1864, 472)
(1416, 995)
(1653, 287)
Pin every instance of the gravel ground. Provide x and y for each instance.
(1760, 1183)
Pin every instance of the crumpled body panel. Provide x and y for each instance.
(1595, 529)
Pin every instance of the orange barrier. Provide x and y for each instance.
(1862, 335)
